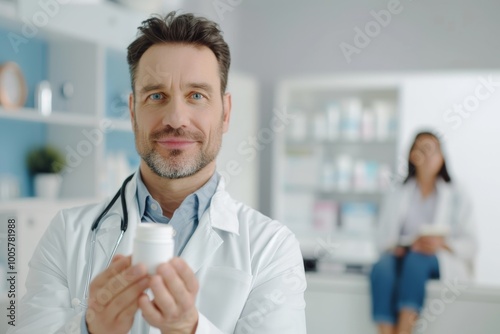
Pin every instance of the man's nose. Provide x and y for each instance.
(176, 113)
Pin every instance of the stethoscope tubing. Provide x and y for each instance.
(94, 229)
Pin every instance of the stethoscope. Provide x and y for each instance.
(95, 228)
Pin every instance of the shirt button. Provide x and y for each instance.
(154, 206)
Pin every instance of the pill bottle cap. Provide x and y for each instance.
(153, 232)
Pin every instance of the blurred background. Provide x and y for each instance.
(328, 96)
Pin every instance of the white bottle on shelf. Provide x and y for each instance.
(328, 176)
(368, 128)
(359, 176)
(351, 118)
(384, 112)
(43, 98)
(344, 173)
(333, 121)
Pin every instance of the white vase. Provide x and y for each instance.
(47, 185)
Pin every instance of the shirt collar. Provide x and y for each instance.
(197, 202)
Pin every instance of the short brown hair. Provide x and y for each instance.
(182, 29)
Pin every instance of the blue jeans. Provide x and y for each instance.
(399, 283)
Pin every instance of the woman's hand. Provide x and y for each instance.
(428, 245)
(399, 251)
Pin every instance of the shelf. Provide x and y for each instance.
(341, 142)
(351, 196)
(37, 203)
(62, 118)
(119, 124)
(300, 188)
(335, 194)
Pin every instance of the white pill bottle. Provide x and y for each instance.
(153, 245)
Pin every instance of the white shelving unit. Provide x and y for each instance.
(333, 162)
(55, 118)
(78, 51)
(80, 60)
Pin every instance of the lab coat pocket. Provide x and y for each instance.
(222, 296)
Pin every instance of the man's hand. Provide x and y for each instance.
(113, 297)
(173, 308)
(428, 245)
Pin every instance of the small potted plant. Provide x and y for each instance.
(45, 165)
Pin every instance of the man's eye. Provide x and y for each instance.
(155, 96)
(197, 96)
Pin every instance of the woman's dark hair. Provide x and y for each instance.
(412, 169)
(182, 29)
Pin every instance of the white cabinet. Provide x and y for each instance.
(333, 161)
(32, 217)
(343, 303)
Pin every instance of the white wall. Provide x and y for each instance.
(470, 143)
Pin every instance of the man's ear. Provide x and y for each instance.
(227, 105)
(131, 108)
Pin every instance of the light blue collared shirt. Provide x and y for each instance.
(185, 219)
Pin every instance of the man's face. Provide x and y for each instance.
(178, 113)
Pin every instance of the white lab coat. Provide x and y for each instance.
(249, 269)
(452, 209)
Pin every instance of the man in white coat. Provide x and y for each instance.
(237, 271)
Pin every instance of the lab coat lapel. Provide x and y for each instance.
(222, 216)
(406, 198)
(443, 203)
(110, 228)
(203, 243)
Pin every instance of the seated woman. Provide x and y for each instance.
(425, 232)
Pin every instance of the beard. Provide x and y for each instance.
(178, 163)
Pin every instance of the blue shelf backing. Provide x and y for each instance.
(117, 84)
(30, 55)
(17, 138)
